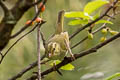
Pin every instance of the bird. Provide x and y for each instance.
(58, 45)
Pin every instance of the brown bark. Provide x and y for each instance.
(10, 19)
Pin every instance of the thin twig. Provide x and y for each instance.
(24, 71)
(79, 42)
(26, 26)
(18, 41)
(43, 39)
(1, 54)
(110, 16)
(89, 24)
(31, 66)
(20, 74)
(38, 46)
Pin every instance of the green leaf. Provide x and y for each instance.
(113, 76)
(94, 5)
(103, 21)
(97, 15)
(55, 61)
(86, 14)
(77, 22)
(76, 15)
(66, 67)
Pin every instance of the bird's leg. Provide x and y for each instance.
(69, 50)
(55, 69)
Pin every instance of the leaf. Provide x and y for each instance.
(56, 62)
(86, 14)
(76, 15)
(77, 22)
(113, 76)
(94, 5)
(66, 67)
(103, 21)
(97, 15)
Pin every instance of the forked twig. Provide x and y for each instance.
(97, 30)
(26, 26)
(27, 69)
(19, 40)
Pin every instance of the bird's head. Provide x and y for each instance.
(53, 49)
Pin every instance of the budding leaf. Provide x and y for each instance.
(77, 22)
(94, 5)
(103, 21)
(76, 14)
(68, 67)
(65, 67)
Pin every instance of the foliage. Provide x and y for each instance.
(66, 67)
(116, 75)
(89, 8)
(83, 17)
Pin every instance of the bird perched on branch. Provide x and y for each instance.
(58, 45)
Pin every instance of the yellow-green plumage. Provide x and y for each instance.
(56, 47)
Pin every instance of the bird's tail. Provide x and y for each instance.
(60, 22)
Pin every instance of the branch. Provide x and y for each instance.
(26, 26)
(26, 69)
(23, 35)
(89, 24)
(38, 46)
(11, 20)
(31, 66)
(43, 39)
(79, 55)
(18, 41)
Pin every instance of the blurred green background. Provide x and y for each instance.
(103, 63)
